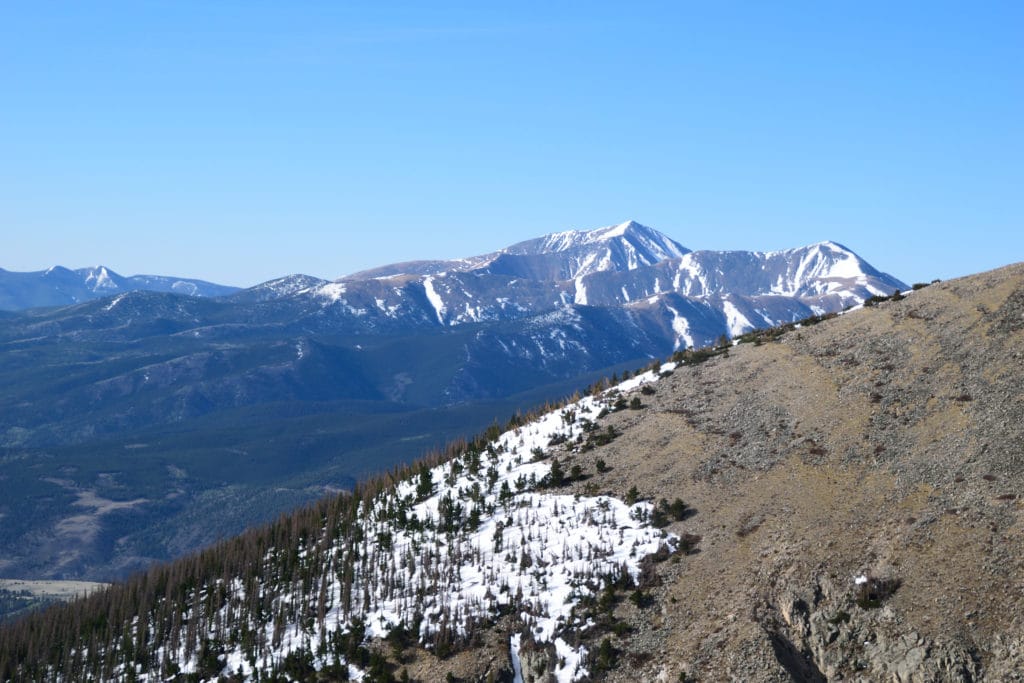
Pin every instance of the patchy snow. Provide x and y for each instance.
(115, 301)
(517, 664)
(690, 278)
(185, 287)
(581, 292)
(332, 291)
(99, 278)
(737, 322)
(681, 328)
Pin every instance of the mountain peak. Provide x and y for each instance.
(574, 253)
(569, 239)
(832, 246)
(619, 230)
(101, 279)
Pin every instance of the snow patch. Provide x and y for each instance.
(737, 322)
(434, 298)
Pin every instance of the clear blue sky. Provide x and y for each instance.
(238, 141)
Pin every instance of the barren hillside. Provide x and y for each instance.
(886, 444)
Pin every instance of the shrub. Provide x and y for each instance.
(632, 495)
(298, 665)
(210, 663)
(873, 592)
(641, 599)
(597, 438)
(607, 656)
(688, 543)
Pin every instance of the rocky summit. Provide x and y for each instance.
(832, 500)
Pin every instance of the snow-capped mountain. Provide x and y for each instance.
(575, 254)
(626, 265)
(536, 312)
(59, 286)
(557, 256)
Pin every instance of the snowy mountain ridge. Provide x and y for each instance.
(565, 255)
(625, 265)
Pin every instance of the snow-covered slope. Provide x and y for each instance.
(481, 536)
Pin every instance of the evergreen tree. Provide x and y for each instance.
(556, 477)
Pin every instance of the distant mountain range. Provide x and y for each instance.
(613, 266)
(254, 400)
(539, 311)
(59, 286)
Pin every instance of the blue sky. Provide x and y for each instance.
(239, 141)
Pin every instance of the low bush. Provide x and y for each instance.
(875, 591)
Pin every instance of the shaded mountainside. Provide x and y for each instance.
(834, 501)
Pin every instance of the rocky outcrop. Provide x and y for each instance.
(824, 635)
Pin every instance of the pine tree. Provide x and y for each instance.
(556, 476)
